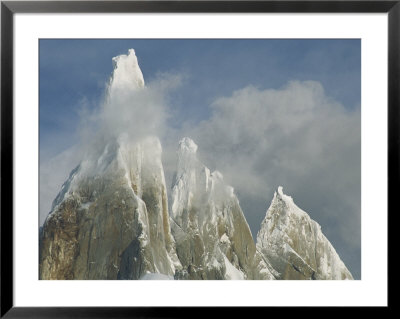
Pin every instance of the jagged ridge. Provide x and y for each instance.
(295, 244)
(213, 239)
(111, 219)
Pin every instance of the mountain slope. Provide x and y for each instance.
(113, 222)
(295, 244)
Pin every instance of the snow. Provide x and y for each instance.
(126, 75)
(191, 177)
(217, 176)
(107, 157)
(122, 158)
(187, 145)
(231, 272)
(284, 224)
(288, 203)
(156, 276)
(213, 202)
(86, 205)
(195, 185)
(214, 263)
(225, 239)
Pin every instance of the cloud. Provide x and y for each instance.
(135, 113)
(296, 137)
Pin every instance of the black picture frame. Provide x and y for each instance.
(9, 8)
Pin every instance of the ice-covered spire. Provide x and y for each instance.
(186, 145)
(187, 159)
(295, 244)
(212, 236)
(279, 195)
(195, 184)
(127, 75)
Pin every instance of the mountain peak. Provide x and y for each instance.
(295, 244)
(281, 196)
(127, 75)
(186, 145)
(213, 238)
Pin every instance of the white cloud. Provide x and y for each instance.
(296, 137)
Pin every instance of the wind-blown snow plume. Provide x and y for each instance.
(130, 106)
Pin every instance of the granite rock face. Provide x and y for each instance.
(213, 239)
(111, 221)
(295, 245)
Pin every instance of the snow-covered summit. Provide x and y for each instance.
(195, 184)
(295, 245)
(279, 192)
(287, 201)
(187, 158)
(186, 145)
(280, 195)
(127, 75)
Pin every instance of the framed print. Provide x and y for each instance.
(161, 155)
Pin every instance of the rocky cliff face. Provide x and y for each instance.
(295, 244)
(213, 239)
(111, 221)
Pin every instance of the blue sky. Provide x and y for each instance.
(73, 70)
(326, 181)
